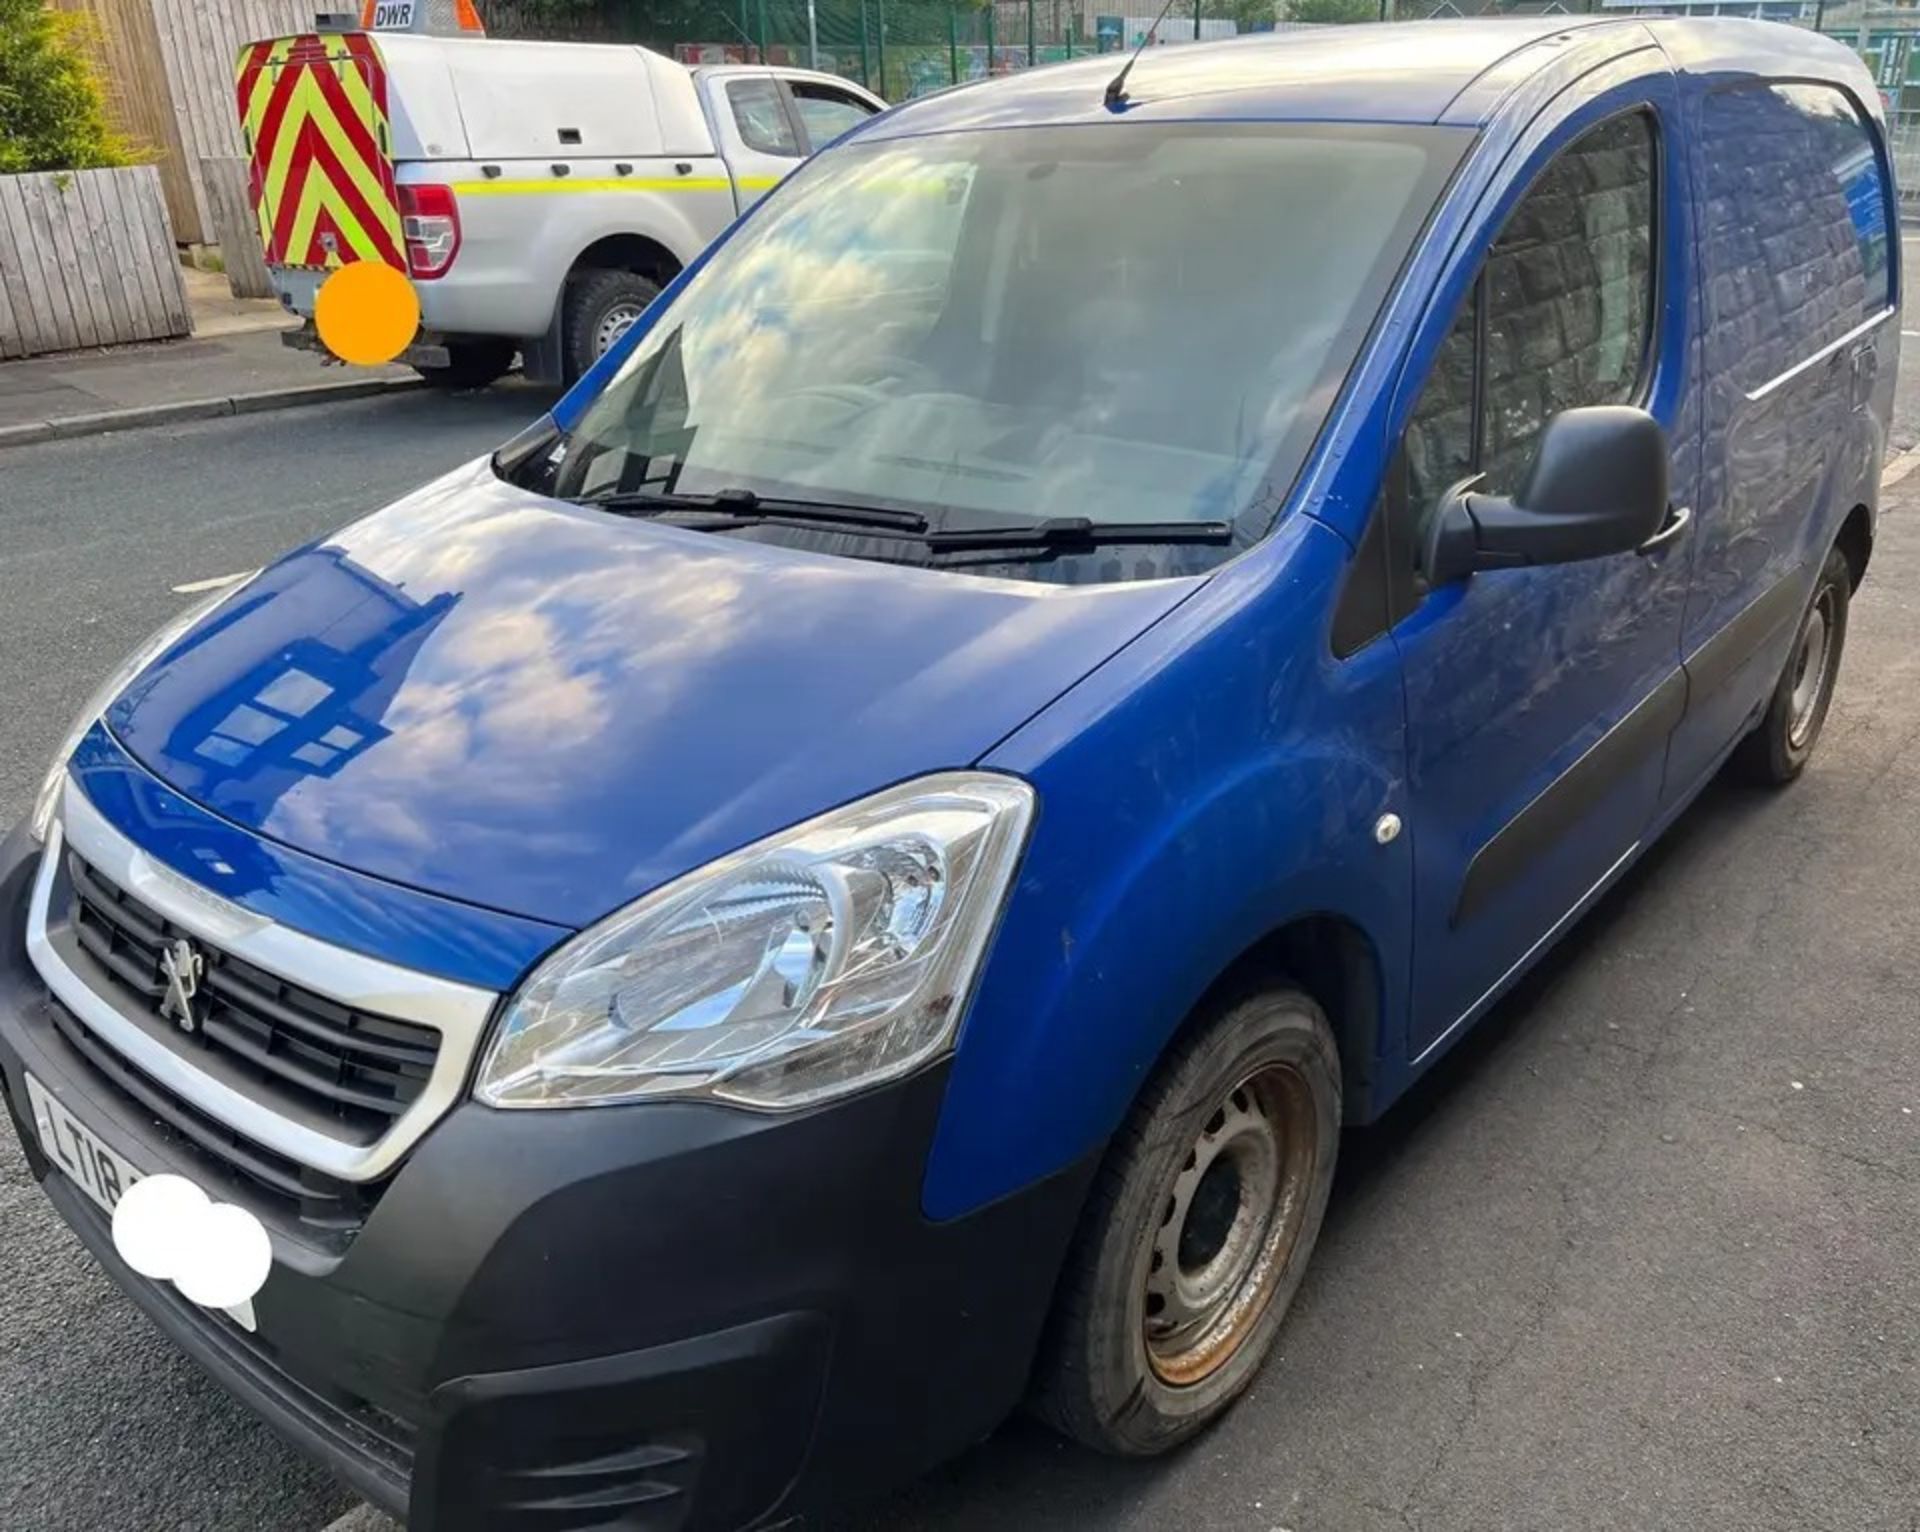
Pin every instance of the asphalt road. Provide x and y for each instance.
(1638, 1255)
(102, 1424)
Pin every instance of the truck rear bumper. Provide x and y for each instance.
(427, 350)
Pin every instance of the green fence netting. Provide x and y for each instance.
(897, 48)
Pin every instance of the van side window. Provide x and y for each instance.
(1561, 316)
(762, 117)
(1440, 434)
(1569, 294)
(825, 112)
(1796, 225)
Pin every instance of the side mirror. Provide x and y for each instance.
(1598, 485)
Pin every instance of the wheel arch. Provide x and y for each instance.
(628, 251)
(1855, 542)
(1332, 959)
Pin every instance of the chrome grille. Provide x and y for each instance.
(302, 1052)
(316, 1054)
(244, 1171)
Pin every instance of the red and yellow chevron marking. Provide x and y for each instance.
(313, 110)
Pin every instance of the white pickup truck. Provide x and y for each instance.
(538, 195)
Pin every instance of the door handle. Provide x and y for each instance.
(1864, 370)
(1679, 518)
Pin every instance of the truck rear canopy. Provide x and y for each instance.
(314, 114)
(544, 101)
(328, 116)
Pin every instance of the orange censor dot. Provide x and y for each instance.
(366, 313)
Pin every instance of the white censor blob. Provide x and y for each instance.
(217, 1254)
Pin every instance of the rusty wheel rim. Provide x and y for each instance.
(1230, 1219)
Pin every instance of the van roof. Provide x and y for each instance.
(1411, 72)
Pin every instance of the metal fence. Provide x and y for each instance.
(905, 48)
(1903, 138)
(898, 48)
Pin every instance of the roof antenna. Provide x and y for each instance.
(1117, 87)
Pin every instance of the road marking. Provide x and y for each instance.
(362, 1518)
(1900, 467)
(218, 582)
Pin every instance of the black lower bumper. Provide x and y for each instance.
(666, 1316)
(425, 350)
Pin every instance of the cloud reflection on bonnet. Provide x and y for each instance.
(501, 692)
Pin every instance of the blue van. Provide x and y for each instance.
(853, 874)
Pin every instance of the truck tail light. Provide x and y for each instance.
(430, 221)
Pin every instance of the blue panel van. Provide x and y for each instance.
(853, 874)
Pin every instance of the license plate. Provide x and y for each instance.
(74, 1147)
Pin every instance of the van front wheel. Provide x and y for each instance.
(602, 306)
(1197, 1230)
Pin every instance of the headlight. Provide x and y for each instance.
(818, 962)
(48, 798)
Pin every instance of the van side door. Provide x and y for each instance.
(1797, 270)
(760, 135)
(1540, 700)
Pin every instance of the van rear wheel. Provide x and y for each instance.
(1197, 1230)
(1782, 742)
(601, 307)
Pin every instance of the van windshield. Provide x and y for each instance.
(1128, 323)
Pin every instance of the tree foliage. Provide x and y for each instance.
(1249, 13)
(50, 112)
(1333, 10)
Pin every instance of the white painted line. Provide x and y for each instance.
(362, 1518)
(1900, 467)
(218, 582)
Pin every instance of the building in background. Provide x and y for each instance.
(1795, 12)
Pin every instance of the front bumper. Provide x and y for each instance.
(670, 1315)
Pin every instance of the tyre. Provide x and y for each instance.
(1782, 742)
(601, 307)
(471, 364)
(1197, 1230)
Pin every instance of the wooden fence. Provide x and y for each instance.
(87, 259)
(168, 69)
(139, 103)
(199, 40)
(234, 227)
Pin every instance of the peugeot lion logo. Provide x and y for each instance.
(182, 967)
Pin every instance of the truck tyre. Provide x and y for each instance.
(1782, 742)
(1197, 1229)
(471, 364)
(601, 307)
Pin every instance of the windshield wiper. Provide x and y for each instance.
(747, 505)
(1054, 533)
(1079, 531)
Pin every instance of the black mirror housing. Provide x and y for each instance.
(1598, 486)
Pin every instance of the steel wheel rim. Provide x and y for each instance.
(1231, 1217)
(613, 324)
(1810, 670)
